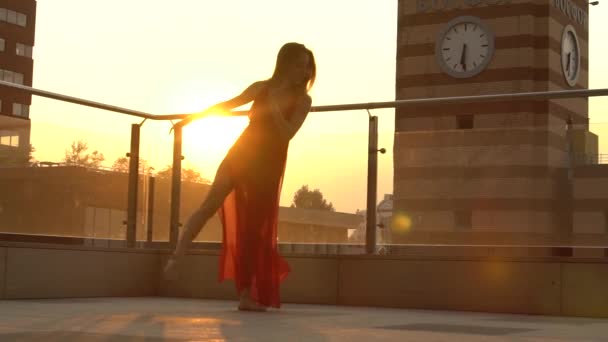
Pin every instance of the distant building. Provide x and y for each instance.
(17, 31)
(315, 226)
(384, 216)
(91, 203)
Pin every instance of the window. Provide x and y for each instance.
(2, 44)
(9, 140)
(18, 78)
(10, 76)
(7, 76)
(21, 19)
(23, 50)
(13, 17)
(464, 121)
(21, 110)
(20, 50)
(463, 219)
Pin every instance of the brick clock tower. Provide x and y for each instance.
(494, 172)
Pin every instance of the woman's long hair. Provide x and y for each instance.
(285, 58)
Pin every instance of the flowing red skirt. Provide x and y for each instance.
(249, 215)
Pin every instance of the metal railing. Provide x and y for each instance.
(372, 145)
(536, 96)
(591, 159)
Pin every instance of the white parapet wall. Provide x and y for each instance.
(544, 281)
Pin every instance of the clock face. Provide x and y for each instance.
(571, 60)
(465, 47)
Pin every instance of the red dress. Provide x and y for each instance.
(249, 214)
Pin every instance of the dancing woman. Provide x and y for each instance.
(247, 185)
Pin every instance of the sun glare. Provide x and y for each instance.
(217, 131)
(206, 141)
(211, 138)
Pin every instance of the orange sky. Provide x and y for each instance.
(179, 56)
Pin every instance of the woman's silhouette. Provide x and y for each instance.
(248, 181)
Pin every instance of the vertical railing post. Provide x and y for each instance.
(372, 185)
(151, 187)
(176, 183)
(567, 207)
(133, 185)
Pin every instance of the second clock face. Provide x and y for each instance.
(465, 47)
(571, 60)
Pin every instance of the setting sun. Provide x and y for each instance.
(216, 132)
(207, 141)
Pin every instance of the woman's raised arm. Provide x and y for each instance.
(246, 96)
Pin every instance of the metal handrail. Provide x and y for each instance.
(372, 150)
(543, 95)
(76, 100)
(591, 159)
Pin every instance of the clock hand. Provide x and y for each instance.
(462, 57)
(568, 64)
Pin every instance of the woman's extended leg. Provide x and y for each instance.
(221, 187)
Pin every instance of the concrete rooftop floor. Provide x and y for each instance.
(178, 319)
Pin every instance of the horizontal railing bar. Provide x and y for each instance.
(445, 100)
(71, 99)
(544, 95)
(184, 115)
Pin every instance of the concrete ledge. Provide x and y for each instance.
(507, 287)
(197, 278)
(2, 271)
(584, 289)
(564, 285)
(55, 273)
(312, 280)
(591, 253)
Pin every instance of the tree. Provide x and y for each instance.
(188, 175)
(122, 165)
(31, 161)
(306, 199)
(20, 159)
(77, 156)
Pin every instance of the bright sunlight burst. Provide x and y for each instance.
(206, 141)
(215, 132)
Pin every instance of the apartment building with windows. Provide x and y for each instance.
(17, 32)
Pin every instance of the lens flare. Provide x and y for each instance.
(401, 222)
(496, 271)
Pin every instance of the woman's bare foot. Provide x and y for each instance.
(247, 304)
(252, 307)
(170, 270)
